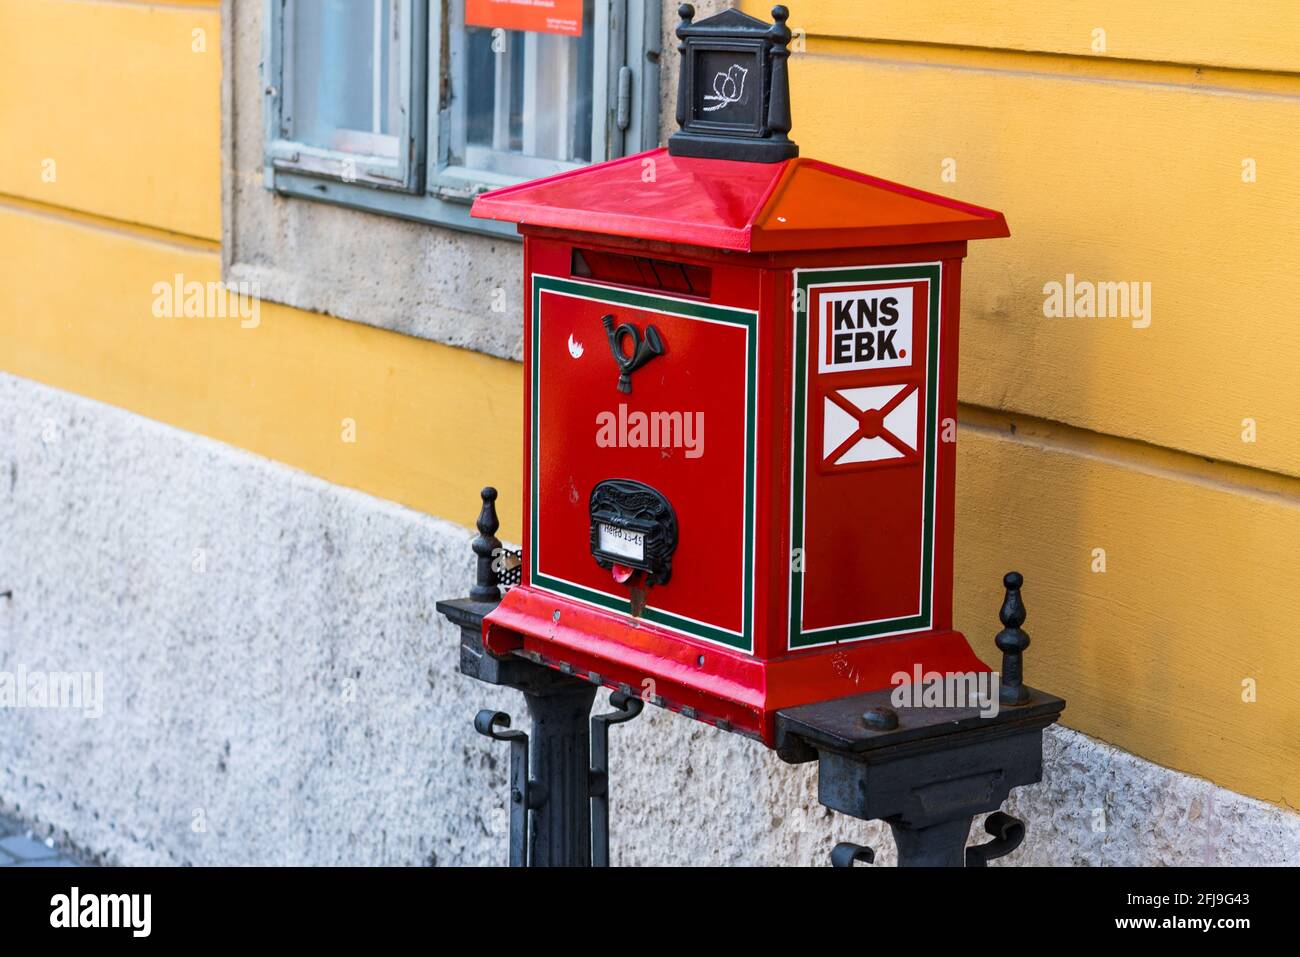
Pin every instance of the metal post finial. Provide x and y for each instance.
(778, 106)
(1012, 640)
(687, 13)
(487, 547)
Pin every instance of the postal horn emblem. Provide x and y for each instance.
(642, 351)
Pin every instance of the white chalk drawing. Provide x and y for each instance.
(728, 87)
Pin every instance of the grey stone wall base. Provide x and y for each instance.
(278, 688)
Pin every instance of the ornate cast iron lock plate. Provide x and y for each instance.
(633, 525)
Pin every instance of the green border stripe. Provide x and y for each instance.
(798, 638)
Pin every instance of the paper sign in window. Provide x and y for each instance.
(563, 17)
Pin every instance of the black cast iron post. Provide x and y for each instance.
(559, 783)
(560, 758)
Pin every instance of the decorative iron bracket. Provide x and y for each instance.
(928, 771)
(525, 795)
(846, 854)
(627, 707)
(1007, 833)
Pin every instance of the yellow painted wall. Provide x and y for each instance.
(1081, 434)
(1078, 434)
(433, 424)
(1131, 182)
(1258, 36)
(1198, 596)
(112, 109)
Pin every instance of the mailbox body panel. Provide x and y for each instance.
(867, 422)
(687, 428)
(726, 639)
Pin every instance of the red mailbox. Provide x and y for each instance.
(740, 398)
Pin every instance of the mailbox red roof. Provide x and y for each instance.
(746, 207)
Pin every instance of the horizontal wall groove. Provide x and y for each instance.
(1194, 77)
(1133, 454)
(136, 231)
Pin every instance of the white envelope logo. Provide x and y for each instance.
(871, 424)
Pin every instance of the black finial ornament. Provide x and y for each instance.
(733, 94)
(778, 102)
(487, 547)
(687, 14)
(1012, 640)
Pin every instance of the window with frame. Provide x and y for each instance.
(414, 107)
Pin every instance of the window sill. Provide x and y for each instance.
(448, 205)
